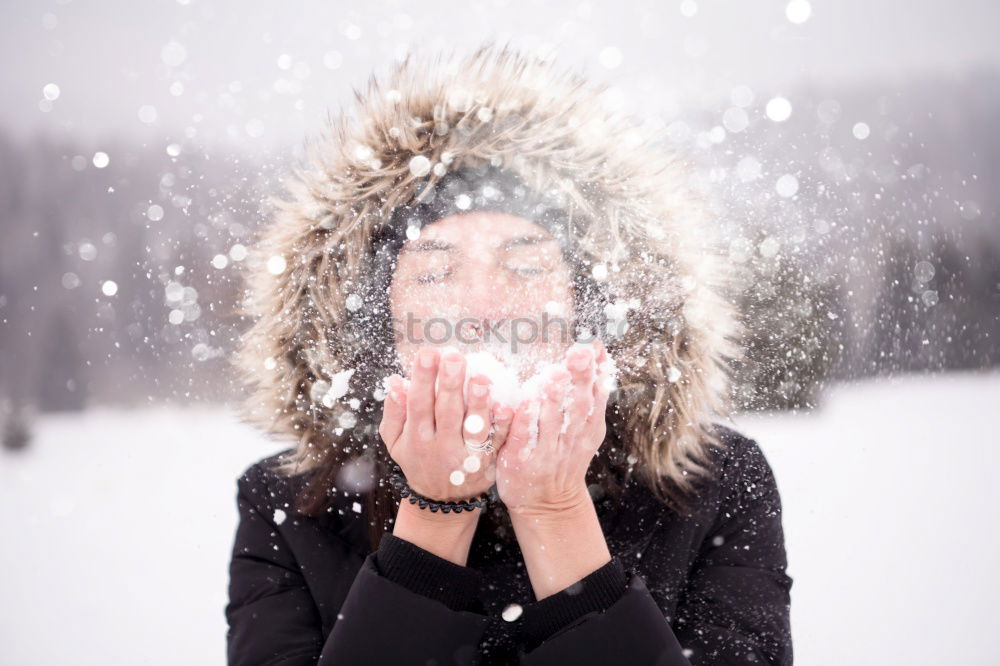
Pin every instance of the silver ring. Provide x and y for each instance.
(482, 447)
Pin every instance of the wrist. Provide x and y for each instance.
(570, 506)
(447, 535)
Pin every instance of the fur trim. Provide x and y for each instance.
(634, 207)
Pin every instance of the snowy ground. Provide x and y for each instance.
(117, 528)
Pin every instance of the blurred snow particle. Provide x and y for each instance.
(778, 109)
(474, 423)
(735, 119)
(673, 374)
(741, 96)
(787, 185)
(828, 111)
(688, 8)
(238, 252)
(969, 210)
(357, 475)
(155, 212)
(798, 11)
(88, 251)
(276, 265)
(101, 160)
(512, 612)
(176, 317)
(610, 57)
(718, 540)
(420, 166)
(70, 281)
(173, 54)
(356, 507)
(923, 271)
(333, 59)
(270, 363)
(174, 149)
(254, 128)
(339, 385)
(279, 516)
(471, 464)
(748, 169)
(350, 30)
(220, 261)
(412, 232)
(347, 420)
(50, 92)
(861, 131)
(463, 201)
(769, 247)
(147, 114)
(109, 288)
(929, 297)
(353, 302)
(600, 272)
(457, 477)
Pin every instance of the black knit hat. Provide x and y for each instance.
(470, 188)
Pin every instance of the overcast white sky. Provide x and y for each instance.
(262, 73)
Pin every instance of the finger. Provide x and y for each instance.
(581, 367)
(551, 417)
(449, 404)
(476, 426)
(597, 423)
(519, 444)
(502, 416)
(420, 397)
(393, 412)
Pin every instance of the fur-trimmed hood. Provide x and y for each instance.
(636, 212)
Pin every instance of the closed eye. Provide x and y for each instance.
(526, 271)
(429, 278)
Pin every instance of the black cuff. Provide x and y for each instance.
(597, 591)
(425, 573)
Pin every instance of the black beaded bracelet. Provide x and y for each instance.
(398, 482)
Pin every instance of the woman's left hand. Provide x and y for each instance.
(550, 477)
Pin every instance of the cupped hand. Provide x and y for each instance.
(427, 434)
(543, 463)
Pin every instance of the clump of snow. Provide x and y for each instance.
(507, 389)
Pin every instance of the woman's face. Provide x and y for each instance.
(483, 281)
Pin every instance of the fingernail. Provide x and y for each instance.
(427, 358)
(479, 390)
(452, 365)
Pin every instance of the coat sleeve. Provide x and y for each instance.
(735, 609)
(390, 614)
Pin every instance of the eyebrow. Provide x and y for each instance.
(435, 244)
(428, 245)
(521, 241)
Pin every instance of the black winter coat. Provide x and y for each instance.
(709, 588)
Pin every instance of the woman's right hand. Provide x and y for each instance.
(426, 434)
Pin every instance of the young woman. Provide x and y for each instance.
(490, 204)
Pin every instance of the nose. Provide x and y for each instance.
(485, 296)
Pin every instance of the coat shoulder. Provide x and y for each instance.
(745, 475)
(266, 487)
